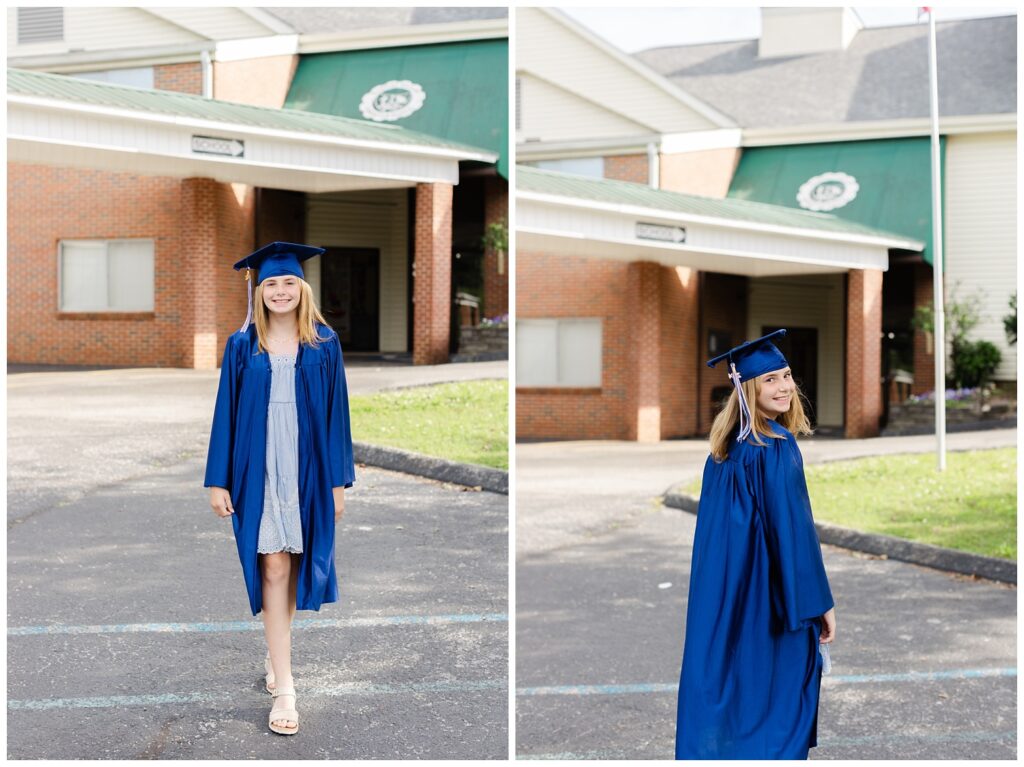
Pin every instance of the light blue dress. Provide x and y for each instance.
(280, 525)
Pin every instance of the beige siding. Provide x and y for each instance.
(551, 113)
(93, 29)
(553, 52)
(981, 231)
(373, 219)
(216, 23)
(807, 302)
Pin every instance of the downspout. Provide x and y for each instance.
(207, 74)
(653, 166)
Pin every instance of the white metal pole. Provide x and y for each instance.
(940, 313)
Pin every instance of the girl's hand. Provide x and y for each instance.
(828, 626)
(220, 502)
(339, 503)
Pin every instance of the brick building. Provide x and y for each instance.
(620, 325)
(139, 134)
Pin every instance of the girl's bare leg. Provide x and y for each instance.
(277, 620)
(293, 583)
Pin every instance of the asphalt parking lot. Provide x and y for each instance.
(129, 633)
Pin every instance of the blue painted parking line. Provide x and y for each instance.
(306, 623)
(867, 740)
(633, 689)
(351, 689)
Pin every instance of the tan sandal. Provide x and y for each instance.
(287, 714)
(269, 679)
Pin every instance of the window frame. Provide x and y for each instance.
(557, 385)
(106, 242)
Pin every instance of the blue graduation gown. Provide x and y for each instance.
(238, 448)
(751, 670)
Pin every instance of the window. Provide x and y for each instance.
(558, 352)
(580, 166)
(106, 275)
(139, 77)
(40, 25)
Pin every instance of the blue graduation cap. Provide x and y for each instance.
(747, 361)
(274, 260)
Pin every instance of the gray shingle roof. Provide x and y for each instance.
(313, 20)
(882, 75)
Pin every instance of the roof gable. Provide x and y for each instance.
(552, 47)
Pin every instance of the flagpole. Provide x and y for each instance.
(939, 324)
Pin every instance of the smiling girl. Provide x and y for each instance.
(759, 600)
(281, 455)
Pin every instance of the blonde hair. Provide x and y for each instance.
(794, 420)
(308, 316)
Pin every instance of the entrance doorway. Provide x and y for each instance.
(800, 348)
(350, 296)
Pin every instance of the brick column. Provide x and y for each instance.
(924, 343)
(197, 292)
(495, 280)
(432, 274)
(645, 351)
(863, 353)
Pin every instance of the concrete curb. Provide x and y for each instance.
(468, 474)
(888, 546)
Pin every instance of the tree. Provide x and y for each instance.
(1010, 322)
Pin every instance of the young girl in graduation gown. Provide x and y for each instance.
(280, 455)
(759, 600)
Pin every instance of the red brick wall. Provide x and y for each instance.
(433, 274)
(631, 167)
(679, 357)
(597, 290)
(723, 307)
(495, 284)
(863, 353)
(45, 205)
(184, 78)
(199, 228)
(924, 360)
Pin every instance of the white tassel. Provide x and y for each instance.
(745, 418)
(248, 314)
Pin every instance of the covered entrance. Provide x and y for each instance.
(210, 158)
(698, 273)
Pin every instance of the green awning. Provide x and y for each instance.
(884, 184)
(455, 91)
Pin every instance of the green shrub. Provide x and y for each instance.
(974, 362)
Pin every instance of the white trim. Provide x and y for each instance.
(877, 129)
(400, 36)
(248, 130)
(528, 151)
(85, 61)
(257, 47)
(702, 108)
(755, 256)
(403, 179)
(698, 141)
(637, 210)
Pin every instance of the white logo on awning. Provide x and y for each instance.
(392, 100)
(828, 191)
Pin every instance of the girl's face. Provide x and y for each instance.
(281, 294)
(776, 392)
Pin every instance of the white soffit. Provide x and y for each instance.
(64, 133)
(754, 250)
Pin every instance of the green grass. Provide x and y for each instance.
(972, 506)
(465, 422)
